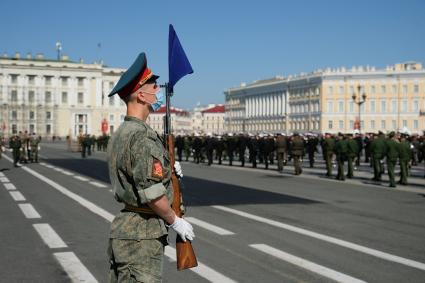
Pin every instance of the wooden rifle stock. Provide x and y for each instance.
(185, 255)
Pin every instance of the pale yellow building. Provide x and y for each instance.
(57, 97)
(322, 101)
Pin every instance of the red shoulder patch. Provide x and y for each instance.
(157, 171)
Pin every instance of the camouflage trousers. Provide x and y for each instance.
(136, 261)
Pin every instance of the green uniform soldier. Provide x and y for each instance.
(328, 151)
(297, 151)
(15, 144)
(392, 147)
(377, 148)
(140, 173)
(34, 144)
(405, 157)
(352, 151)
(2, 145)
(341, 149)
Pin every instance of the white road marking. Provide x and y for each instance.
(57, 169)
(81, 178)
(43, 163)
(99, 185)
(29, 211)
(4, 180)
(208, 226)
(67, 173)
(202, 270)
(336, 241)
(49, 166)
(311, 266)
(9, 186)
(17, 196)
(1, 174)
(49, 236)
(76, 271)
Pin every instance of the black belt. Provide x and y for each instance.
(138, 209)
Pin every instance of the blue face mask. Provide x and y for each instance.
(159, 101)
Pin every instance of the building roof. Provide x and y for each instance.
(174, 110)
(216, 109)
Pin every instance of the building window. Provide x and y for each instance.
(31, 80)
(330, 90)
(341, 90)
(394, 89)
(64, 97)
(372, 124)
(48, 115)
(80, 82)
(14, 79)
(48, 80)
(48, 129)
(14, 115)
(341, 125)
(416, 88)
(330, 124)
(111, 101)
(341, 106)
(32, 128)
(372, 106)
(404, 89)
(362, 124)
(383, 89)
(14, 129)
(64, 81)
(14, 96)
(415, 106)
(394, 124)
(31, 96)
(111, 129)
(394, 106)
(330, 106)
(48, 97)
(404, 106)
(80, 98)
(383, 124)
(351, 124)
(351, 103)
(111, 118)
(351, 90)
(415, 124)
(383, 106)
(404, 123)
(32, 116)
(373, 89)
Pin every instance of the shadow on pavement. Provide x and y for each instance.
(92, 168)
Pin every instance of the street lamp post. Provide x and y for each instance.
(359, 102)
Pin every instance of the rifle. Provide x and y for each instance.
(179, 66)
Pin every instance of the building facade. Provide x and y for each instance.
(322, 101)
(208, 119)
(57, 97)
(181, 121)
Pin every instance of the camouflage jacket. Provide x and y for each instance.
(139, 169)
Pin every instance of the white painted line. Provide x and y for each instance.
(97, 184)
(87, 204)
(49, 236)
(9, 186)
(76, 271)
(81, 178)
(208, 226)
(4, 180)
(202, 270)
(336, 241)
(57, 169)
(29, 211)
(110, 190)
(67, 173)
(49, 166)
(17, 196)
(43, 163)
(1, 174)
(310, 266)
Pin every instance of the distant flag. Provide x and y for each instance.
(178, 64)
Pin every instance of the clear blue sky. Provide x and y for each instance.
(227, 42)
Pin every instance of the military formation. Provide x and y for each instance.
(88, 144)
(25, 147)
(343, 151)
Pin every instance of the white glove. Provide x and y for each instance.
(3, 149)
(178, 169)
(39, 147)
(183, 228)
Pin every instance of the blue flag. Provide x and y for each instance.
(178, 64)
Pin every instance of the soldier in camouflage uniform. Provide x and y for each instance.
(405, 158)
(34, 144)
(140, 173)
(392, 153)
(15, 144)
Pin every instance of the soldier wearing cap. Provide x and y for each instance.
(297, 151)
(140, 173)
(341, 149)
(405, 158)
(378, 150)
(392, 153)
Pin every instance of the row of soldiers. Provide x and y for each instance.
(25, 147)
(88, 143)
(340, 148)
